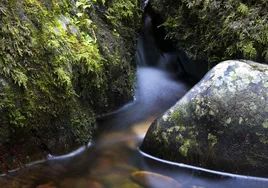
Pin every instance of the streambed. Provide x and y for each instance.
(117, 162)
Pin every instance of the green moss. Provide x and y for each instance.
(56, 72)
(184, 148)
(212, 140)
(263, 140)
(40, 44)
(217, 30)
(179, 138)
(165, 137)
(181, 131)
(122, 12)
(176, 128)
(176, 115)
(187, 144)
(265, 124)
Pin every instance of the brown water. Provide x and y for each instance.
(116, 162)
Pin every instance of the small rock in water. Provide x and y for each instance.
(150, 179)
(47, 185)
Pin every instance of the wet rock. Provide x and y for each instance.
(47, 185)
(54, 81)
(220, 124)
(150, 179)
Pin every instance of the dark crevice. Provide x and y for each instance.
(154, 50)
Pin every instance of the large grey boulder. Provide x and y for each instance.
(220, 124)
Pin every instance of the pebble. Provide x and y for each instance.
(154, 180)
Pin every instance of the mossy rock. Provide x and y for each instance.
(217, 30)
(220, 124)
(61, 63)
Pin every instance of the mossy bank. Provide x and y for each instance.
(61, 63)
(214, 30)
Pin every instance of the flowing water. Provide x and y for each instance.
(116, 161)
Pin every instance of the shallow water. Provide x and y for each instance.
(116, 162)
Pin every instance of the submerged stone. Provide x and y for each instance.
(220, 124)
(150, 179)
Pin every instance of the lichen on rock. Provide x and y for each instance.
(219, 124)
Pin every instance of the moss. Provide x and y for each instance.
(176, 115)
(264, 140)
(217, 30)
(58, 71)
(187, 145)
(226, 128)
(176, 128)
(39, 56)
(265, 124)
(184, 148)
(157, 129)
(123, 12)
(212, 140)
(179, 138)
(165, 137)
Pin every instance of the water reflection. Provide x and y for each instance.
(115, 162)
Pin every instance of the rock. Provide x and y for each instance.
(238, 36)
(47, 185)
(154, 180)
(61, 64)
(220, 124)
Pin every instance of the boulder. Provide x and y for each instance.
(220, 124)
(61, 64)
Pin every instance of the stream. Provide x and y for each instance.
(114, 160)
(117, 162)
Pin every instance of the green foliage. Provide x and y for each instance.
(38, 53)
(122, 13)
(218, 30)
(55, 73)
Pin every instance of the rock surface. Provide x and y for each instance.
(216, 30)
(59, 67)
(150, 179)
(220, 124)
